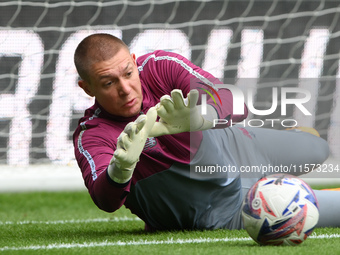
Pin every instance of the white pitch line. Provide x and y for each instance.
(143, 242)
(114, 219)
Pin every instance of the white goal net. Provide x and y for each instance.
(248, 43)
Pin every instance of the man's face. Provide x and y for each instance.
(116, 85)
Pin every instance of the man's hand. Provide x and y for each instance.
(178, 114)
(130, 144)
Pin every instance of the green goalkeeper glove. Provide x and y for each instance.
(178, 114)
(130, 144)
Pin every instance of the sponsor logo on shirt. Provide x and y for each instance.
(150, 142)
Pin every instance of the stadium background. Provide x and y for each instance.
(248, 43)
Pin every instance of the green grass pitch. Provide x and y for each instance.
(69, 223)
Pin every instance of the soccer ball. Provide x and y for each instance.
(280, 210)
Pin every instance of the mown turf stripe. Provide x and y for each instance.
(114, 219)
(143, 242)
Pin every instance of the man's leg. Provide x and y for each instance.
(289, 149)
(329, 208)
(268, 147)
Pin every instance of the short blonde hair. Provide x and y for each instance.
(96, 48)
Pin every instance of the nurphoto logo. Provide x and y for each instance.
(240, 99)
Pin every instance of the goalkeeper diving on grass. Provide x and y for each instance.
(138, 144)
